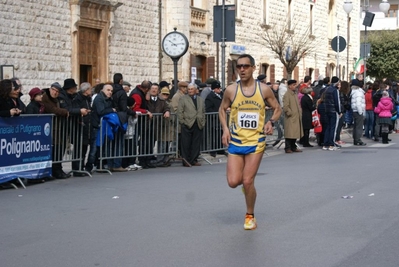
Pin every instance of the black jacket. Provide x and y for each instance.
(119, 98)
(307, 108)
(7, 104)
(35, 107)
(65, 101)
(212, 102)
(82, 101)
(101, 106)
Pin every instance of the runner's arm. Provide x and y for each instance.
(270, 98)
(226, 102)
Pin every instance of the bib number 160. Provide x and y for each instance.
(249, 124)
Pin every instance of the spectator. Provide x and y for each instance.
(345, 106)
(182, 91)
(282, 89)
(83, 140)
(168, 132)
(207, 90)
(191, 115)
(35, 106)
(307, 109)
(10, 103)
(139, 95)
(369, 120)
(119, 98)
(154, 126)
(358, 105)
(213, 135)
(333, 113)
(293, 118)
(102, 106)
(383, 109)
(52, 106)
(130, 141)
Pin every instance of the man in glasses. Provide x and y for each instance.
(245, 134)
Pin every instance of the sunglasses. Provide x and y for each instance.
(245, 66)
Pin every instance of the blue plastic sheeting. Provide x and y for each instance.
(25, 147)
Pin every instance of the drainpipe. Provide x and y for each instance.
(217, 53)
(160, 41)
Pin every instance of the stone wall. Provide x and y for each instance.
(37, 37)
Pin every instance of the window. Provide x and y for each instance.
(393, 11)
(331, 19)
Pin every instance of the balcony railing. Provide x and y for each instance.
(198, 18)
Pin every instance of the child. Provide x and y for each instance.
(35, 106)
(383, 109)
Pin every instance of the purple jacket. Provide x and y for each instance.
(384, 108)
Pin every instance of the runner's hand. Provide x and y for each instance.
(268, 128)
(226, 137)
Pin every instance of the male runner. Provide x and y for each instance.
(245, 134)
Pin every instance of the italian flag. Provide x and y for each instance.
(359, 66)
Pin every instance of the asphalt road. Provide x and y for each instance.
(180, 216)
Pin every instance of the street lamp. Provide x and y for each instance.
(384, 6)
(348, 8)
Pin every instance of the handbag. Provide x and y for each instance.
(316, 122)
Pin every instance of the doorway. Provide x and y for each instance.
(88, 54)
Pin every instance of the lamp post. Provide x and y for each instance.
(348, 6)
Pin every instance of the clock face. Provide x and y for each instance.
(175, 44)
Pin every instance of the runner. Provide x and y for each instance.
(245, 134)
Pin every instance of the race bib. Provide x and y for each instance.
(248, 120)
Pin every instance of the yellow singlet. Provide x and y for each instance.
(247, 119)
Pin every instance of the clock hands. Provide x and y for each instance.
(172, 43)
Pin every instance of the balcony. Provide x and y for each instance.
(198, 19)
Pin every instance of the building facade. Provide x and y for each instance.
(50, 40)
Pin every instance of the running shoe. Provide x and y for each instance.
(250, 222)
(325, 148)
(138, 167)
(132, 168)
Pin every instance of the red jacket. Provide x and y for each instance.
(369, 100)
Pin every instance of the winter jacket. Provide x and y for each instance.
(358, 102)
(384, 107)
(65, 101)
(101, 106)
(282, 89)
(35, 107)
(7, 104)
(331, 100)
(82, 101)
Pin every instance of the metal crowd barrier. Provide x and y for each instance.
(67, 138)
(144, 137)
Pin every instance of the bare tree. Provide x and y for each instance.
(289, 44)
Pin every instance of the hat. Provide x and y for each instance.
(34, 92)
(291, 82)
(215, 85)
(165, 91)
(202, 85)
(261, 77)
(162, 84)
(356, 82)
(56, 85)
(321, 77)
(210, 80)
(269, 83)
(182, 84)
(69, 83)
(334, 79)
(126, 83)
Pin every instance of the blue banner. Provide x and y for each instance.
(25, 147)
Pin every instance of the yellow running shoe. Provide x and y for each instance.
(250, 222)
